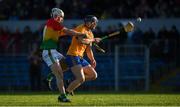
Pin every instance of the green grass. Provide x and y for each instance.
(90, 99)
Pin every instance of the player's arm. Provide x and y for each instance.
(80, 36)
(90, 55)
(71, 32)
(87, 41)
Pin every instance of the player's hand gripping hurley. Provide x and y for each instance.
(127, 28)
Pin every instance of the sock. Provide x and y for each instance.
(63, 95)
(49, 76)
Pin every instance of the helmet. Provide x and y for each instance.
(90, 18)
(56, 12)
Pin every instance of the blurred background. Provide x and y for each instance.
(146, 59)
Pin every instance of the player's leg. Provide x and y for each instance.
(90, 73)
(50, 76)
(48, 79)
(51, 57)
(57, 71)
(77, 70)
(79, 78)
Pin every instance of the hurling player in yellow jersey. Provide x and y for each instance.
(82, 70)
(52, 31)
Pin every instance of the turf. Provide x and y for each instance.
(90, 99)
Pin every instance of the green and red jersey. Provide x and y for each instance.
(51, 33)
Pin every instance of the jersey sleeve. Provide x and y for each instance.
(79, 29)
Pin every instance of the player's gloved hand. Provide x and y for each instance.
(84, 40)
(97, 40)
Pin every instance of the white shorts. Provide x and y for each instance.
(51, 56)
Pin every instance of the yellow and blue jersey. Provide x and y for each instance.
(76, 48)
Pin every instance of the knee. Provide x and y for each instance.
(58, 74)
(94, 76)
(56, 69)
(81, 79)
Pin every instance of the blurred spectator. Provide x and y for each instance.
(4, 38)
(174, 43)
(137, 36)
(39, 9)
(35, 69)
(15, 42)
(27, 35)
(148, 37)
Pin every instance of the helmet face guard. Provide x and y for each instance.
(56, 12)
(90, 18)
(91, 21)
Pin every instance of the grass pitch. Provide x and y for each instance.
(90, 99)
